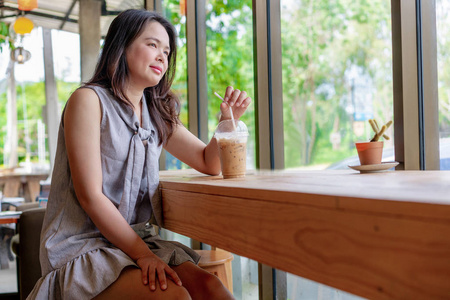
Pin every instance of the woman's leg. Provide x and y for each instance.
(200, 283)
(129, 286)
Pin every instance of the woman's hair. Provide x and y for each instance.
(112, 69)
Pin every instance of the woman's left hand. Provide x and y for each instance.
(237, 100)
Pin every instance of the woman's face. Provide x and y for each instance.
(147, 56)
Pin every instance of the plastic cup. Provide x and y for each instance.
(232, 143)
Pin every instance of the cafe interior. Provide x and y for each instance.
(308, 220)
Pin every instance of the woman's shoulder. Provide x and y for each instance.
(101, 93)
(85, 91)
(84, 96)
(84, 104)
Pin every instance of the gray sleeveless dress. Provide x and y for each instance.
(77, 262)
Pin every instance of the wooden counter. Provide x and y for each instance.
(379, 235)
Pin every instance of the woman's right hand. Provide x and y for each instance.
(235, 99)
(153, 266)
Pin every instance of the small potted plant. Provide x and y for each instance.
(370, 153)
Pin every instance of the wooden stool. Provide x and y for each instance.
(218, 262)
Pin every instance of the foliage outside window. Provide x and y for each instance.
(172, 11)
(229, 51)
(337, 73)
(173, 14)
(5, 40)
(30, 99)
(443, 61)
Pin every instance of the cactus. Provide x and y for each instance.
(379, 132)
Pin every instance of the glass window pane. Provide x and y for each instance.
(29, 99)
(245, 287)
(174, 13)
(443, 62)
(229, 50)
(337, 74)
(301, 288)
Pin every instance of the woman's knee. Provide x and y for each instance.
(173, 291)
(211, 280)
(176, 292)
(129, 285)
(212, 285)
(200, 283)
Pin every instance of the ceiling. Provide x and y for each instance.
(63, 14)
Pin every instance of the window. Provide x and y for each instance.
(301, 288)
(337, 74)
(443, 63)
(229, 52)
(172, 11)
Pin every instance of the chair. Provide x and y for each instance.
(25, 245)
(218, 262)
(6, 234)
(7, 231)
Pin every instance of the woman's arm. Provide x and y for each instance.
(82, 131)
(189, 149)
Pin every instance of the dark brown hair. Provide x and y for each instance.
(112, 69)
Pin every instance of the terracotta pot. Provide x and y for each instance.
(369, 153)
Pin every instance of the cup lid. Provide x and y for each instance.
(226, 129)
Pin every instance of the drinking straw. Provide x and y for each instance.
(231, 111)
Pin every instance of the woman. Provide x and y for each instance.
(97, 241)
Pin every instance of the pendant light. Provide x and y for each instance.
(20, 55)
(27, 4)
(23, 25)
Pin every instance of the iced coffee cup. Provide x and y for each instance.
(232, 142)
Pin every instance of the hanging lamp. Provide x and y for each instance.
(23, 25)
(20, 55)
(27, 4)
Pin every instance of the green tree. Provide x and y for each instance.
(321, 41)
(443, 48)
(179, 86)
(229, 53)
(5, 40)
(32, 94)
